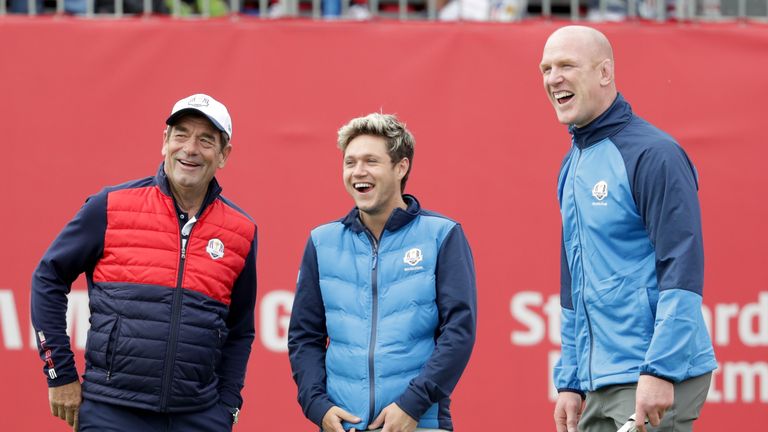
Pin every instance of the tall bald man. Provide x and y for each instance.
(632, 261)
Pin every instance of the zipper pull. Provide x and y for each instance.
(183, 248)
(375, 259)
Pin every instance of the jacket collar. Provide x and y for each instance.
(605, 125)
(161, 180)
(398, 219)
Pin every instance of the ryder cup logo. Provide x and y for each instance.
(600, 191)
(215, 248)
(413, 257)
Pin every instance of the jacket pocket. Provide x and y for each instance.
(114, 337)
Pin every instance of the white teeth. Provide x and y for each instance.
(562, 94)
(362, 185)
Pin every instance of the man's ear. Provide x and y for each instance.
(606, 72)
(225, 155)
(164, 150)
(402, 167)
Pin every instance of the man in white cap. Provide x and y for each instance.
(171, 272)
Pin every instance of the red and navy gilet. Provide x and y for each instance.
(171, 300)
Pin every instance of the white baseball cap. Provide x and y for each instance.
(214, 110)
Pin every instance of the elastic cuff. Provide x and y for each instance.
(570, 390)
(317, 410)
(659, 377)
(413, 404)
(63, 379)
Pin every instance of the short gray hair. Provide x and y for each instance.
(400, 142)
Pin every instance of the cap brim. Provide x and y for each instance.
(178, 114)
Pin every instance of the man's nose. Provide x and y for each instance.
(554, 77)
(191, 146)
(359, 170)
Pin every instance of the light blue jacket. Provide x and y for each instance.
(377, 322)
(632, 257)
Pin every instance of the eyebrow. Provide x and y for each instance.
(211, 137)
(362, 156)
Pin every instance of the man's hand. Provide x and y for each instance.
(333, 418)
(394, 419)
(65, 402)
(654, 397)
(568, 409)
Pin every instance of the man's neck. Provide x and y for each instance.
(189, 200)
(376, 222)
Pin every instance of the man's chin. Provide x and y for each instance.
(185, 182)
(564, 118)
(367, 208)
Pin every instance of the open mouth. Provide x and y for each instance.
(363, 187)
(562, 96)
(188, 164)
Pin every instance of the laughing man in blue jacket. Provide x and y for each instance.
(633, 335)
(383, 321)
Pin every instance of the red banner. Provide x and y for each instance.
(84, 102)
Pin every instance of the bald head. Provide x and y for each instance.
(592, 42)
(577, 66)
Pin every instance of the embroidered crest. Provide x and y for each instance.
(215, 248)
(600, 190)
(413, 257)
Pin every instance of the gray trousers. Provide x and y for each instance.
(608, 408)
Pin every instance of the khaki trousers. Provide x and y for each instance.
(608, 408)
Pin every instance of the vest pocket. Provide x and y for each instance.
(221, 337)
(114, 336)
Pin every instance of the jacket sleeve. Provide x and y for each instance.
(457, 310)
(76, 250)
(565, 373)
(308, 340)
(665, 189)
(240, 324)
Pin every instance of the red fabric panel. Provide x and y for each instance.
(214, 277)
(142, 244)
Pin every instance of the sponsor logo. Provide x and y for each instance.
(48, 355)
(215, 248)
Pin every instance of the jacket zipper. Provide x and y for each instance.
(374, 319)
(113, 345)
(583, 278)
(175, 314)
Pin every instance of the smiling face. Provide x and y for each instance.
(193, 152)
(370, 177)
(577, 69)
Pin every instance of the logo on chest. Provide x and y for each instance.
(413, 257)
(215, 248)
(600, 192)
